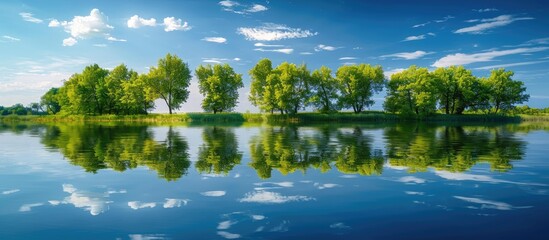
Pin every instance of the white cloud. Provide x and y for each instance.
(347, 58)
(444, 19)
(322, 47)
(136, 22)
(414, 193)
(272, 197)
(411, 179)
(509, 65)
(225, 225)
(28, 207)
(214, 60)
(138, 205)
(280, 184)
(388, 74)
(236, 59)
(10, 191)
(326, 185)
(11, 39)
(414, 38)
(490, 23)
(214, 193)
(54, 23)
(408, 55)
(113, 39)
(82, 27)
(100, 45)
(94, 204)
(173, 202)
(273, 32)
(228, 3)
(281, 50)
(420, 25)
(228, 235)
(29, 18)
(172, 24)
(215, 39)
(306, 53)
(487, 203)
(431, 34)
(339, 225)
(486, 10)
(463, 59)
(258, 217)
(257, 8)
(69, 41)
(267, 45)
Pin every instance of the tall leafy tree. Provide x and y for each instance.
(358, 83)
(85, 93)
(324, 90)
(504, 91)
(135, 98)
(455, 88)
(219, 84)
(50, 102)
(259, 74)
(170, 81)
(412, 91)
(293, 90)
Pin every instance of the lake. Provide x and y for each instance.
(332, 181)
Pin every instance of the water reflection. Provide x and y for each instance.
(285, 149)
(95, 147)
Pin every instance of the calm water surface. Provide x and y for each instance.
(274, 182)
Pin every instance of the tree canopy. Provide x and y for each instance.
(219, 84)
(170, 81)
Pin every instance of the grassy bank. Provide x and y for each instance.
(371, 116)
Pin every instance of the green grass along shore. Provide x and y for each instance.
(371, 116)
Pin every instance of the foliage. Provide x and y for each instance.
(455, 88)
(357, 84)
(170, 81)
(220, 86)
(324, 92)
(504, 92)
(412, 91)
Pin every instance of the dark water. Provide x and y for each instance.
(274, 182)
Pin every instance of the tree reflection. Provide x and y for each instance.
(219, 151)
(356, 154)
(452, 148)
(95, 147)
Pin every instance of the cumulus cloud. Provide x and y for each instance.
(113, 39)
(273, 32)
(280, 50)
(408, 55)
(95, 205)
(258, 217)
(228, 235)
(82, 27)
(414, 38)
(215, 39)
(213, 193)
(139, 205)
(272, 197)
(491, 23)
(136, 22)
(257, 8)
(174, 202)
(29, 18)
(172, 24)
(464, 59)
(69, 41)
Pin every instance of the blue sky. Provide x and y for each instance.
(44, 42)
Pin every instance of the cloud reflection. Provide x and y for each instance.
(272, 197)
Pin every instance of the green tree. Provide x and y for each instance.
(259, 74)
(219, 84)
(135, 99)
(455, 88)
(50, 102)
(293, 90)
(412, 91)
(85, 93)
(504, 92)
(358, 83)
(324, 90)
(170, 81)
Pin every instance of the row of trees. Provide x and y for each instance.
(123, 91)
(286, 88)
